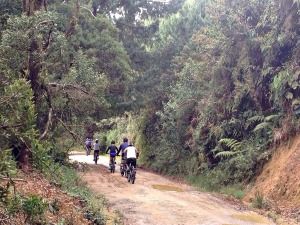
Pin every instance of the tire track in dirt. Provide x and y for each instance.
(157, 200)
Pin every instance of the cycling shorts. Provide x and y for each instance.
(112, 154)
(132, 161)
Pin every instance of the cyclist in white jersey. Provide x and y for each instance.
(96, 148)
(131, 154)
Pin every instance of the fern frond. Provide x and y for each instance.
(225, 154)
(255, 119)
(263, 125)
(231, 143)
(271, 117)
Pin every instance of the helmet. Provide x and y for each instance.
(96, 140)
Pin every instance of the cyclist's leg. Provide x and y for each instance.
(123, 162)
(96, 154)
(127, 164)
(134, 163)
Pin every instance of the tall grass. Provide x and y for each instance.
(206, 183)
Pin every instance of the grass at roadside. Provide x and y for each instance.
(93, 204)
(205, 184)
(72, 184)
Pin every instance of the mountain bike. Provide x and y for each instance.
(123, 167)
(96, 157)
(112, 165)
(131, 174)
(88, 150)
(123, 171)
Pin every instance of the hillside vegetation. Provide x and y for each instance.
(206, 89)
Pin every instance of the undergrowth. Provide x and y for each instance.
(73, 185)
(205, 183)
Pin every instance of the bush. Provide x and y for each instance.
(260, 202)
(34, 208)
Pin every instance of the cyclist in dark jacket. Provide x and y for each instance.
(113, 149)
(123, 146)
(121, 149)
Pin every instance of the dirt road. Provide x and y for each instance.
(156, 200)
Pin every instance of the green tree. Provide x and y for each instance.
(72, 61)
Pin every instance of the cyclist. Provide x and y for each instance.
(96, 148)
(113, 149)
(121, 149)
(131, 154)
(88, 145)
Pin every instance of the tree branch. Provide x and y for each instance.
(49, 101)
(89, 11)
(12, 126)
(45, 22)
(66, 127)
(11, 179)
(47, 125)
(67, 86)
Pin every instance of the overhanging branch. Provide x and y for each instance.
(67, 86)
(75, 136)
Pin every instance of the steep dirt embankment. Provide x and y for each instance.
(280, 180)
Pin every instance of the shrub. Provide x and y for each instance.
(260, 202)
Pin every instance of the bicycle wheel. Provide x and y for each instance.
(129, 177)
(125, 172)
(132, 178)
(121, 171)
(96, 159)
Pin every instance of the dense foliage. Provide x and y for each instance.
(236, 90)
(60, 70)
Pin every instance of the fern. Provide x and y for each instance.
(255, 119)
(271, 117)
(266, 122)
(233, 144)
(263, 125)
(225, 154)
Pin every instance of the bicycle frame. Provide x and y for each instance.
(112, 165)
(131, 174)
(88, 150)
(96, 157)
(123, 167)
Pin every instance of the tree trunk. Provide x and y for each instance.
(34, 69)
(29, 6)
